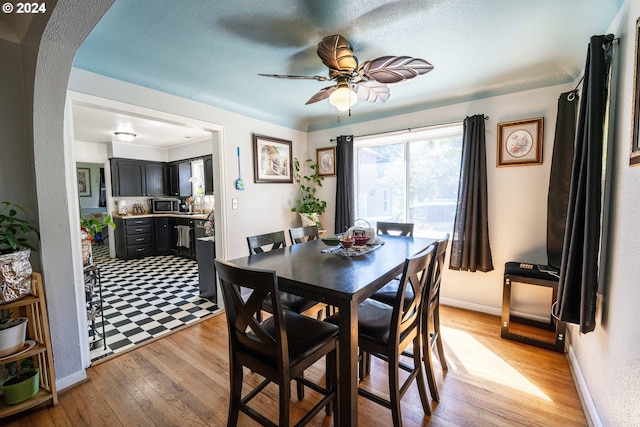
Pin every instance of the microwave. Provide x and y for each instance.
(165, 205)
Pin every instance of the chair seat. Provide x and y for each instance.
(387, 294)
(534, 271)
(305, 335)
(374, 320)
(291, 302)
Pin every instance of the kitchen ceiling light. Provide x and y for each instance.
(125, 136)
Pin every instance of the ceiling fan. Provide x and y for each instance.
(367, 81)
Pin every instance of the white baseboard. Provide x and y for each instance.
(68, 381)
(588, 406)
(471, 306)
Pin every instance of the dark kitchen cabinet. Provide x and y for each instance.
(173, 180)
(208, 174)
(134, 237)
(162, 238)
(138, 178)
(127, 177)
(155, 179)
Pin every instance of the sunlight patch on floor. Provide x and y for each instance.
(465, 353)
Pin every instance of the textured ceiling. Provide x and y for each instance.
(212, 51)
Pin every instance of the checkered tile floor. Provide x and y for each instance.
(145, 298)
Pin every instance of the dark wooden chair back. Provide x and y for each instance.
(303, 234)
(249, 340)
(395, 228)
(436, 273)
(407, 312)
(266, 242)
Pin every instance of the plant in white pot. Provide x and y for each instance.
(16, 237)
(309, 206)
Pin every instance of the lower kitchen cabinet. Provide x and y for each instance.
(162, 236)
(134, 237)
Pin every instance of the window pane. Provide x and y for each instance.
(434, 167)
(410, 178)
(380, 182)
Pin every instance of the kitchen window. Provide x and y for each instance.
(410, 176)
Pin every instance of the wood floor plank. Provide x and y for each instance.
(183, 380)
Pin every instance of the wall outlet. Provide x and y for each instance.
(234, 203)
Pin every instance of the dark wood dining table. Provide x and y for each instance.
(341, 281)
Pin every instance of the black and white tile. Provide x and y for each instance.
(145, 298)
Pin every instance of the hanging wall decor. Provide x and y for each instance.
(520, 142)
(272, 159)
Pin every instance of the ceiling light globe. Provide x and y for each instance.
(343, 98)
(125, 136)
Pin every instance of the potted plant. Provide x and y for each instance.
(13, 332)
(309, 206)
(22, 382)
(15, 248)
(92, 227)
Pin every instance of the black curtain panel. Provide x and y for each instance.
(470, 249)
(579, 267)
(560, 179)
(102, 198)
(344, 187)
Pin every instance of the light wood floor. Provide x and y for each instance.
(182, 380)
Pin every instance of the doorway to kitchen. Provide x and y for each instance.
(143, 298)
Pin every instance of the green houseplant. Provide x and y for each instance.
(22, 382)
(16, 237)
(93, 225)
(309, 206)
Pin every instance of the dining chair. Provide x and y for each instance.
(303, 234)
(267, 242)
(431, 335)
(279, 349)
(395, 228)
(385, 331)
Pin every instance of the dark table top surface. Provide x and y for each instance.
(304, 270)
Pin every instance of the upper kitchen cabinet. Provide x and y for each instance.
(138, 178)
(184, 179)
(208, 174)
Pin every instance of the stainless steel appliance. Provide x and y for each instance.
(165, 205)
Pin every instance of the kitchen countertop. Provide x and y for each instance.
(202, 216)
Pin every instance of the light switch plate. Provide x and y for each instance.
(234, 203)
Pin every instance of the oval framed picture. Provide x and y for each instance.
(520, 142)
(326, 160)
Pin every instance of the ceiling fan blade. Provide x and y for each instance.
(393, 69)
(286, 76)
(335, 52)
(372, 91)
(322, 94)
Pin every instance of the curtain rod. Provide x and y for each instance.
(407, 129)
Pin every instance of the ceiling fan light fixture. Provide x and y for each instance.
(125, 136)
(343, 97)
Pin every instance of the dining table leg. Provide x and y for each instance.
(348, 363)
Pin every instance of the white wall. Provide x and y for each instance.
(517, 195)
(609, 357)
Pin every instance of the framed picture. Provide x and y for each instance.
(271, 159)
(84, 182)
(326, 160)
(634, 158)
(520, 142)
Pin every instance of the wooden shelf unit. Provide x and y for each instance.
(34, 308)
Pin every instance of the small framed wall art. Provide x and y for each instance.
(84, 182)
(271, 160)
(520, 142)
(326, 159)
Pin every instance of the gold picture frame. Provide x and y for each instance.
(326, 160)
(520, 142)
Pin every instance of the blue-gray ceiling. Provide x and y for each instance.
(211, 51)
